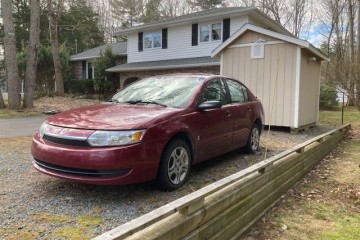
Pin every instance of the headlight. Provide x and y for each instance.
(43, 129)
(115, 138)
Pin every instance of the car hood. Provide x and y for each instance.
(111, 116)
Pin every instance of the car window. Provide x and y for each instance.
(172, 91)
(238, 92)
(214, 91)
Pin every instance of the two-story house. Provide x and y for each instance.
(185, 43)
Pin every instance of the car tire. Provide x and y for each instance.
(175, 165)
(254, 139)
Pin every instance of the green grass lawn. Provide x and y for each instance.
(326, 203)
(351, 115)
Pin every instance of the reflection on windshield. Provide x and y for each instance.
(172, 91)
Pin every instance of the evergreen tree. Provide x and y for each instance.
(103, 80)
(79, 28)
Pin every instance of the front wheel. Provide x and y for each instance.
(175, 165)
(254, 139)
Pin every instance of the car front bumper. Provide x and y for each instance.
(102, 166)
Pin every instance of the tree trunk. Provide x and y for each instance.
(2, 103)
(59, 82)
(31, 67)
(351, 101)
(11, 67)
(357, 100)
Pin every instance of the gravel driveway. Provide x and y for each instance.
(36, 206)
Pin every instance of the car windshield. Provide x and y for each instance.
(171, 91)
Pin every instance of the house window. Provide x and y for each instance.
(210, 32)
(90, 70)
(204, 33)
(216, 31)
(152, 40)
(83, 69)
(257, 49)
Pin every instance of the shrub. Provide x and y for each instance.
(79, 86)
(328, 97)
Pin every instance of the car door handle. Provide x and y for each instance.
(228, 113)
(249, 109)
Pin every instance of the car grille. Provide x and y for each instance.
(81, 172)
(68, 142)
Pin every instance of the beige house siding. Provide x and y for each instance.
(277, 68)
(309, 89)
(250, 37)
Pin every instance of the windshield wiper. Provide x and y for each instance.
(146, 102)
(113, 100)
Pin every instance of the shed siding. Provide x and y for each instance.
(250, 37)
(179, 43)
(278, 69)
(309, 89)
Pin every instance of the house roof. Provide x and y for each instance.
(118, 49)
(291, 39)
(167, 64)
(205, 15)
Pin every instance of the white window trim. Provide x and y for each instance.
(257, 49)
(243, 45)
(152, 43)
(210, 32)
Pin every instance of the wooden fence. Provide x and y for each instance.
(227, 208)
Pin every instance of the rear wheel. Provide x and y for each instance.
(254, 139)
(175, 165)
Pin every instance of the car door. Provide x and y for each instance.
(241, 111)
(214, 131)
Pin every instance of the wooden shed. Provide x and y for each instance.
(281, 70)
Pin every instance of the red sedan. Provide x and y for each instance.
(155, 128)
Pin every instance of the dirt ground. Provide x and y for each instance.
(48, 105)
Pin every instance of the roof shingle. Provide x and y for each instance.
(189, 17)
(166, 64)
(118, 49)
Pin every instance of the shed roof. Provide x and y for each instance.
(167, 64)
(287, 38)
(118, 49)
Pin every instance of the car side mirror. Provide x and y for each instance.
(209, 105)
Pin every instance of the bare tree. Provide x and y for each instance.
(275, 9)
(129, 11)
(30, 75)
(59, 82)
(11, 67)
(173, 8)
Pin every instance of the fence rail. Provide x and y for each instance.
(226, 208)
